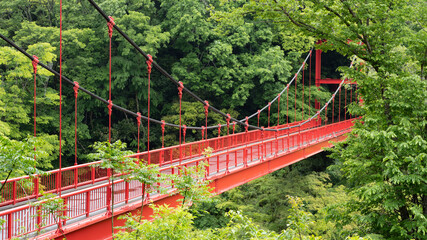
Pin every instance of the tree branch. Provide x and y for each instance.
(337, 14)
(344, 2)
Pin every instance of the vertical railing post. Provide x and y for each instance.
(207, 167)
(108, 198)
(162, 155)
(245, 155)
(9, 225)
(64, 211)
(39, 217)
(92, 175)
(87, 203)
(262, 144)
(36, 186)
(76, 177)
(277, 143)
(288, 138)
(57, 181)
(126, 192)
(259, 156)
(227, 162)
(235, 158)
(217, 164)
(14, 192)
(252, 158)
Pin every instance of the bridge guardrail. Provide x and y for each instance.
(26, 219)
(84, 174)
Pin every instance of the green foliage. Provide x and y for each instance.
(242, 227)
(209, 215)
(264, 199)
(113, 156)
(383, 159)
(192, 185)
(50, 205)
(19, 158)
(177, 223)
(15, 108)
(168, 223)
(238, 54)
(298, 221)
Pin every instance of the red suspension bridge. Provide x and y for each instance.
(237, 157)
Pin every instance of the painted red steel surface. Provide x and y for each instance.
(84, 174)
(251, 155)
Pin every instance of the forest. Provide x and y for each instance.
(237, 55)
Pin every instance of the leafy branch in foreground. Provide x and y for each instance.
(50, 205)
(192, 185)
(18, 158)
(113, 157)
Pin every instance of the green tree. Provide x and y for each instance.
(113, 158)
(299, 221)
(384, 158)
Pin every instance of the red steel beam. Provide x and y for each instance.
(334, 81)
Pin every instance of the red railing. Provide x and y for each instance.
(26, 219)
(75, 176)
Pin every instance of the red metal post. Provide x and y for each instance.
(64, 211)
(14, 192)
(39, 217)
(318, 72)
(93, 174)
(9, 225)
(87, 203)
(108, 199)
(36, 186)
(247, 140)
(75, 177)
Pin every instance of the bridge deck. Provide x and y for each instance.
(84, 201)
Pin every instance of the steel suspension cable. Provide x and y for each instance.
(59, 179)
(345, 103)
(326, 115)
(278, 111)
(166, 74)
(110, 24)
(163, 139)
(134, 114)
(309, 88)
(76, 93)
(351, 97)
(34, 63)
(333, 106)
(269, 108)
(60, 97)
(296, 80)
(138, 122)
(339, 107)
(303, 90)
(112, 105)
(180, 87)
(287, 105)
(149, 62)
(320, 110)
(206, 119)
